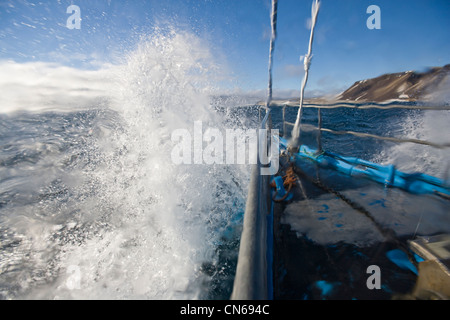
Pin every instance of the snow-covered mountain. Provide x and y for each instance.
(409, 85)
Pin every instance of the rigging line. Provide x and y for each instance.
(388, 233)
(306, 63)
(319, 125)
(309, 127)
(392, 139)
(271, 50)
(418, 224)
(382, 106)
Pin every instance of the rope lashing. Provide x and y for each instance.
(288, 181)
(307, 63)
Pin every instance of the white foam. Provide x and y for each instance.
(148, 225)
(429, 126)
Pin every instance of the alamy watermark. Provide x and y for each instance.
(74, 21)
(374, 21)
(237, 146)
(374, 280)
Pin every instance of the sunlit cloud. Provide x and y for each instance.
(36, 86)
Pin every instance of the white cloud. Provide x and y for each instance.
(48, 86)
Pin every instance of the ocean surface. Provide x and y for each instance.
(91, 205)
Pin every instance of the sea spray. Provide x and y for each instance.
(116, 219)
(428, 125)
(170, 218)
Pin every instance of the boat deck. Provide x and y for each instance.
(336, 226)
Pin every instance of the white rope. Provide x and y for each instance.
(307, 63)
(272, 47)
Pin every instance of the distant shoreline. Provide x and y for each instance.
(402, 87)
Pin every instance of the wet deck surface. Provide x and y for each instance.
(327, 237)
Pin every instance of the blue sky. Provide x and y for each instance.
(414, 35)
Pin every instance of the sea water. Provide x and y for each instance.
(91, 205)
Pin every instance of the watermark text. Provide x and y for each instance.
(238, 146)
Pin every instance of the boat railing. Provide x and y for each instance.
(362, 106)
(253, 272)
(413, 182)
